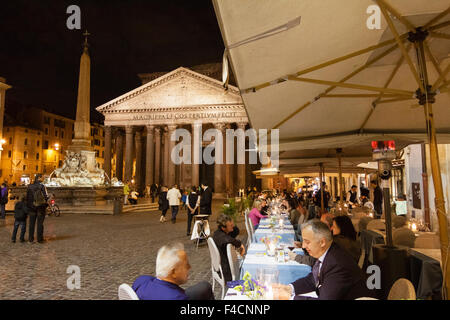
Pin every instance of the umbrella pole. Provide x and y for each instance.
(321, 189)
(439, 197)
(341, 191)
(427, 99)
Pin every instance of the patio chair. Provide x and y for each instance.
(201, 229)
(376, 224)
(427, 241)
(127, 293)
(402, 289)
(216, 268)
(233, 261)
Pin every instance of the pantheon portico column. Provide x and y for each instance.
(241, 167)
(196, 152)
(108, 138)
(149, 157)
(165, 163)
(138, 173)
(219, 182)
(128, 153)
(171, 164)
(119, 155)
(157, 155)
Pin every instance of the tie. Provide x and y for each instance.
(315, 272)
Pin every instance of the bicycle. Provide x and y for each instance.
(52, 209)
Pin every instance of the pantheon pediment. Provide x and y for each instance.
(179, 88)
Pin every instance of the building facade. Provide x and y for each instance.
(22, 154)
(37, 144)
(138, 126)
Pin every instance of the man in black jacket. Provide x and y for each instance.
(20, 220)
(335, 274)
(205, 200)
(224, 235)
(377, 199)
(193, 203)
(37, 198)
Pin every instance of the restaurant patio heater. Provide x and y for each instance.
(391, 259)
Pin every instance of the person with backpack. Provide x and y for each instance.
(163, 204)
(37, 198)
(20, 219)
(3, 200)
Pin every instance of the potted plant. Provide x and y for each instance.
(230, 209)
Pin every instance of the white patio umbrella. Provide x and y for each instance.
(315, 71)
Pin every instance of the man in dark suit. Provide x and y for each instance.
(377, 199)
(335, 274)
(205, 200)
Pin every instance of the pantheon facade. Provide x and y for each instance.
(138, 126)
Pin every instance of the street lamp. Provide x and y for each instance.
(56, 146)
(2, 142)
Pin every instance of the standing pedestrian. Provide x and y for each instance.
(377, 199)
(126, 191)
(20, 219)
(174, 196)
(193, 203)
(3, 199)
(205, 200)
(37, 198)
(163, 203)
(153, 191)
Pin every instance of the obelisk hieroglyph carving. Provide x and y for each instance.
(81, 143)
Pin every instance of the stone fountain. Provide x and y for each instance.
(80, 185)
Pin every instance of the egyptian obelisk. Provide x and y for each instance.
(81, 143)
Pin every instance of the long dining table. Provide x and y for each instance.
(257, 257)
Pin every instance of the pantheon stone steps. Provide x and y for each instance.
(140, 207)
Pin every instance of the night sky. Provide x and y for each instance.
(40, 56)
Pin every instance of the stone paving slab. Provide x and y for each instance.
(110, 250)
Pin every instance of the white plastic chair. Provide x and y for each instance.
(402, 289)
(376, 224)
(233, 261)
(216, 268)
(127, 293)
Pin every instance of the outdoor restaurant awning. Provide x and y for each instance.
(327, 76)
(301, 63)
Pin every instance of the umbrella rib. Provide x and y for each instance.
(402, 19)
(354, 86)
(441, 78)
(440, 35)
(328, 63)
(391, 77)
(433, 61)
(333, 87)
(357, 95)
(439, 26)
(437, 18)
(402, 47)
(395, 100)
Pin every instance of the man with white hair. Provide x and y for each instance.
(172, 270)
(335, 274)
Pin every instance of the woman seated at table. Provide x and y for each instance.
(344, 234)
(402, 235)
(255, 214)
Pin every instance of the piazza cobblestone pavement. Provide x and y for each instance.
(110, 250)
